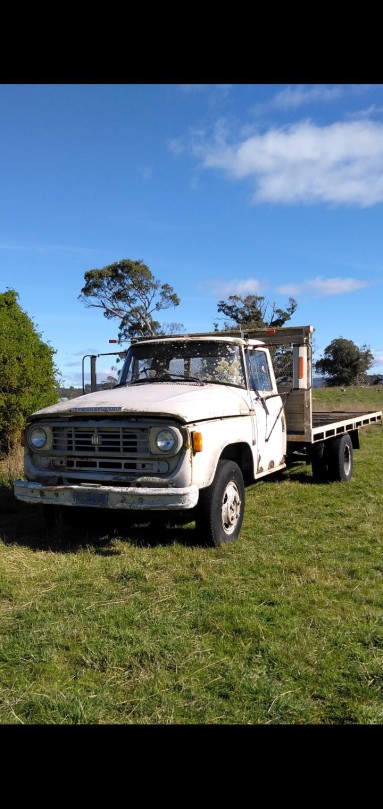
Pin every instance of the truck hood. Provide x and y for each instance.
(186, 402)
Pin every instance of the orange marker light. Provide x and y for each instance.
(301, 368)
(196, 441)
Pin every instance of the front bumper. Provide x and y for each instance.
(118, 497)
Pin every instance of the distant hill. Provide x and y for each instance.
(72, 392)
(318, 382)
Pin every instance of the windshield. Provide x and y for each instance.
(195, 361)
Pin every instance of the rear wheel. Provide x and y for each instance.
(340, 457)
(221, 506)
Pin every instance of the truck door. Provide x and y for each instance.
(269, 432)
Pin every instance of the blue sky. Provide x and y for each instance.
(220, 189)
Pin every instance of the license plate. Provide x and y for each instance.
(88, 498)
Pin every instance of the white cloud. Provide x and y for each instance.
(246, 286)
(339, 164)
(70, 377)
(145, 172)
(194, 183)
(84, 352)
(293, 96)
(324, 286)
(369, 112)
(176, 146)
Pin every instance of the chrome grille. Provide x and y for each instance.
(100, 440)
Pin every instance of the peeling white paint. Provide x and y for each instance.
(183, 401)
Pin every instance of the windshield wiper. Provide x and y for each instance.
(226, 384)
(139, 381)
(164, 377)
(169, 376)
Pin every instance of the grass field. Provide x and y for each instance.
(125, 624)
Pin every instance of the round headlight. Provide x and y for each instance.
(166, 440)
(37, 437)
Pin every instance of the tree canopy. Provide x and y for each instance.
(255, 312)
(27, 371)
(343, 363)
(128, 290)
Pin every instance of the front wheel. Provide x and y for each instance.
(221, 506)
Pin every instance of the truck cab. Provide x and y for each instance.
(185, 410)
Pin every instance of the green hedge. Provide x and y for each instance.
(27, 370)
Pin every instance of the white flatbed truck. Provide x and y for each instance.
(192, 420)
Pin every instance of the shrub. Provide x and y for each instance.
(27, 371)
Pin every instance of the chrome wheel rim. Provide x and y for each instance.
(231, 508)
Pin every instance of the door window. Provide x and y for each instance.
(259, 371)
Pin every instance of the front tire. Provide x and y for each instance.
(221, 506)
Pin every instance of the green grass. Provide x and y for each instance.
(109, 624)
(357, 399)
